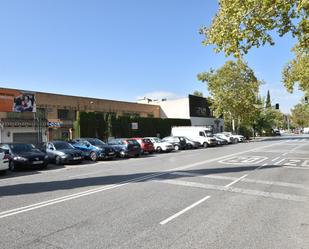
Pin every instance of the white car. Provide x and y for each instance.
(4, 161)
(230, 139)
(159, 145)
(240, 138)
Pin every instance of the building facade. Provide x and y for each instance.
(192, 107)
(27, 116)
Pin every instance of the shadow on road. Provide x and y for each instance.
(40, 187)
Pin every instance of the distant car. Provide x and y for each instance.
(276, 132)
(107, 150)
(179, 142)
(89, 151)
(61, 152)
(126, 147)
(240, 138)
(4, 161)
(192, 144)
(161, 146)
(25, 155)
(146, 145)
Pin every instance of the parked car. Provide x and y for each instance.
(107, 150)
(192, 144)
(61, 152)
(220, 140)
(146, 145)
(89, 151)
(230, 139)
(179, 142)
(161, 146)
(126, 147)
(25, 155)
(240, 138)
(230, 134)
(4, 161)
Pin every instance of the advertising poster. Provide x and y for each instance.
(17, 101)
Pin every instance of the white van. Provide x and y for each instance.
(196, 133)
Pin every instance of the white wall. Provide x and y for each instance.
(196, 121)
(178, 108)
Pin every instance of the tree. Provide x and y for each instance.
(198, 93)
(268, 101)
(300, 115)
(240, 25)
(233, 89)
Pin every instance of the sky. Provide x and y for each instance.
(122, 50)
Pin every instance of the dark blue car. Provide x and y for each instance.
(126, 147)
(88, 150)
(107, 150)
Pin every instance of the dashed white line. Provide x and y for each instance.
(280, 161)
(184, 210)
(275, 159)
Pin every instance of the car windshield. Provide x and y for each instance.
(95, 141)
(63, 146)
(17, 148)
(157, 140)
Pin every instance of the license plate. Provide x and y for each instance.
(111, 153)
(77, 158)
(37, 162)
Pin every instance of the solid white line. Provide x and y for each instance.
(107, 187)
(275, 159)
(237, 180)
(184, 210)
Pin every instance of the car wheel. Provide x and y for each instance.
(122, 154)
(58, 160)
(43, 166)
(12, 166)
(93, 156)
(205, 145)
(176, 147)
(159, 149)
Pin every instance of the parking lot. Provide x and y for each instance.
(247, 195)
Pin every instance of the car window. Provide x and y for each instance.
(17, 148)
(63, 146)
(202, 134)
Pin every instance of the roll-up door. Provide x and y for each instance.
(27, 137)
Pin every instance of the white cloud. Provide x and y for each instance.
(160, 95)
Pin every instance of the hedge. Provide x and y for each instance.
(104, 125)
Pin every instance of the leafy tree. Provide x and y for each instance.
(268, 101)
(240, 25)
(300, 115)
(233, 89)
(198, 93)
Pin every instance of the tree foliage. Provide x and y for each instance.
(233, 89)
(198, 93)
(268, 101)
(240, 25)
(300, 115)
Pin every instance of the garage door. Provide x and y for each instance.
(30, 137)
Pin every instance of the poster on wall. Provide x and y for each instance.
(17, 101)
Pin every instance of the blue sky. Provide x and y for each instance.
(119, 49)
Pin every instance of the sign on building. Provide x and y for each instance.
(17, 101)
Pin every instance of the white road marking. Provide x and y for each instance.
(248, 180)
(280, 161)
(295, 167)
(113, 186)
(272, 195)
(275, 159)
(235, 181)
(184, 210)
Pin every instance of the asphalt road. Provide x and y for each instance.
(250, 195)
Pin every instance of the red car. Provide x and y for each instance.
(146, 145)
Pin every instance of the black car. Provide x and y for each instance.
(25, 155)
(126, 147)
(61, 152)
(192, 144)
(178, 142)
(107, 150)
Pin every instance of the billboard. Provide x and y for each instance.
(17, 101)
(199, 107)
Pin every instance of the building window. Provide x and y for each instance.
(63, 114)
